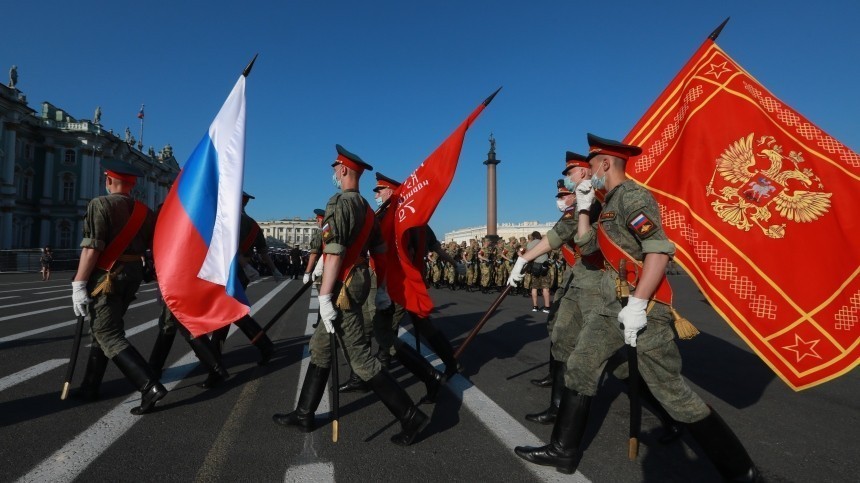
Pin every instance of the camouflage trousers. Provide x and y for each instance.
(486, 275)
(556, 299)
(107, 327)
(576, 306)
(471, 275)
(601, 338)
(349, 328)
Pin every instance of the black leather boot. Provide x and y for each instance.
(136, 370)
(671, 429)
(724, 449)
(309, 400)
(442, 347)
(203, 349)
(160, 351)
(218, 338)
(251, 328)
(548, 416)
(546, 381)
(95, 372)
(412, 420)
(354, 384)
(422, 369)
(384, 357)
(563, 451)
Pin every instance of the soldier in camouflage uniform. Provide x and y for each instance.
(631, 221)
(349, 230)
(486, 258)
(112, 284)
(571, 159)
(470, 256)
(250, 238)
(315, 248)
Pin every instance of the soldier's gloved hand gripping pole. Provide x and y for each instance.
(634, 381)
(76, 345)
(81, 304)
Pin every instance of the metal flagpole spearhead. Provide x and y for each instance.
(490, 99)
(716, 33)
(250, 66)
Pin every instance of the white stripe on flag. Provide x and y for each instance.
(228, 137)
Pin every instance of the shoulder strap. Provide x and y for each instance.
(248, 242)
(354, 250)
(108, 257)
(613, 254)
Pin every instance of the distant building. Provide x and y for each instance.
(50, 169)
(504, 231)
(293, 232)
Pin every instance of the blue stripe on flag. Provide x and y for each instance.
(234, 288)
(198, 188)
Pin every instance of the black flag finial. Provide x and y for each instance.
(716, 33)
(250, 66)
(490, 99)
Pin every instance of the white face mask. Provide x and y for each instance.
(378, 201)
(562, 206)
(335, 180)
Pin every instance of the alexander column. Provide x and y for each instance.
(491, 163)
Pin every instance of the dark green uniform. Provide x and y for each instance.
(582, 298)
(106, 216)
(344, 218)
(659, 359)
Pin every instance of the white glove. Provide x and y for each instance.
(382, 300)
(278, 276)
(584, 195)
(306, 278)
(251, 272)
(517, 274)
(633, 319)
(80, 298)
(318, 268)
(327, 312)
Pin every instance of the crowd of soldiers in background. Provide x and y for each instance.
(289, 261)
(485, 266)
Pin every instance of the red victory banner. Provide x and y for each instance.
(762, 206)
(412, 205)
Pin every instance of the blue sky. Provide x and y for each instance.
(390, 80)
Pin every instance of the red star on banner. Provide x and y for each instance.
(803, 348)
(722, 70)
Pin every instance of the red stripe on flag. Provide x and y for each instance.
(201, 306)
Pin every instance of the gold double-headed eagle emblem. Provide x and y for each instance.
(746, 194)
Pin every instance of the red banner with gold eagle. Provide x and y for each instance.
(761, 205)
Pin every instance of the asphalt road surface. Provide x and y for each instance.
(226, 434)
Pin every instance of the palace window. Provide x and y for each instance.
(69, 158)
(64, 234)
(67, 195)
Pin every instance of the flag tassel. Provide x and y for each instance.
(685, 329)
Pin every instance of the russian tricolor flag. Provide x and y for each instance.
(197, 233)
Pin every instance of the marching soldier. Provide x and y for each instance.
(420, 237)
(315, 248)
(203, 347)
(117, 231)
(629, 229)
(349, 230)
(571, 160)
(581, 301)
(250, 238)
